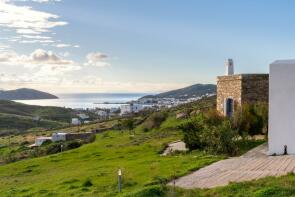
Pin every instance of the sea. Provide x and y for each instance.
(86, 100)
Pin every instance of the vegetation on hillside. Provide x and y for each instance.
(17, 118)
(266, 187)
(133, 147)
(214, 133)
(196, 90)
(25, 94)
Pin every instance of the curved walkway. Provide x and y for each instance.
(253, 165)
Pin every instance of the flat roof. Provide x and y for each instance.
(44, 138)
(290, 61)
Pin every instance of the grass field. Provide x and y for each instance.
(267, 187)
(92, 169)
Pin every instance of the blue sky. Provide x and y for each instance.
(138, 46)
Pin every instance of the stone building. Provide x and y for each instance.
(234, 90)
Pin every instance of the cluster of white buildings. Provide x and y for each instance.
(131, 108)
(61, 136)
(54, 138)
(170, 102)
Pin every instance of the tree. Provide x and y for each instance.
(129, 124)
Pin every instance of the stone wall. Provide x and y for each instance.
(255, 88)
(242, 88)
(228, 87)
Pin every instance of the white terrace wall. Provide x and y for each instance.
(282, 107)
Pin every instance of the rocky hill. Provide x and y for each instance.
(25, 94)
(187, 92)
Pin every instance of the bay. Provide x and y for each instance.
(86, 100)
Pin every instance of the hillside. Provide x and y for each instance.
(19, 117)
(138, 156)
(25, 94)
(145, 171)
(187, 92)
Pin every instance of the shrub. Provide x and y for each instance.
(210, 132)
(192, 132)
(151, 191)
(212, 117)
(250, 119)
(87, 183)
(53, 148)
(74, 144)
(46, 142)
(128, 124)
(220, 139)
(155, 120)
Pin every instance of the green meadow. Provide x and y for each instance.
(91, 170)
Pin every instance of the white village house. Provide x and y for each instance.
(62, 136)
(131, 108)
(102, 114)
(76, 121)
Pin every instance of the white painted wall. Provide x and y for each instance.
(76, 121)
(58, 137)
(282, 107)
(40, 140)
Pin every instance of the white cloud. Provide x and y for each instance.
(43, 1)
(26, 20)
(37, 37)
(38, 1)
(47, 57)
(62, 45)
(96, 59)
(41, 62)
(4, 47)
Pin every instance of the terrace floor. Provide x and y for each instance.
(253, 165)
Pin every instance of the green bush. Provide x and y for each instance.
(73, 144)
(155, 120)
(151, 191)
(128, 124)
(213, 117)
(251, 119)
(210, 132)
(192, 132)
(87, 183)
(220, 139)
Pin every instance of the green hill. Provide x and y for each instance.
(25, 94)
(19, 117)
(91, 170)
(187, 92)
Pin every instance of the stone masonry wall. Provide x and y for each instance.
(255, 88)
(243, 88)
(228, 87)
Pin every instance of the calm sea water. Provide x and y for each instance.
(86, 100)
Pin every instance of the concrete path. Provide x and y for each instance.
(253, 165)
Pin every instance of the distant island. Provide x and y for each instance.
(196, 90)
(25, 94)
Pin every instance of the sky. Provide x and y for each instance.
(72, 46)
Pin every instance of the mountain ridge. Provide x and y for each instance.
(195, 90)
(25, 94)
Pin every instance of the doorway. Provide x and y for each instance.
(229, 107)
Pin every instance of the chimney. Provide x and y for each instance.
(229, 67)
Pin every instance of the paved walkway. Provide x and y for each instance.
(253, 165)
